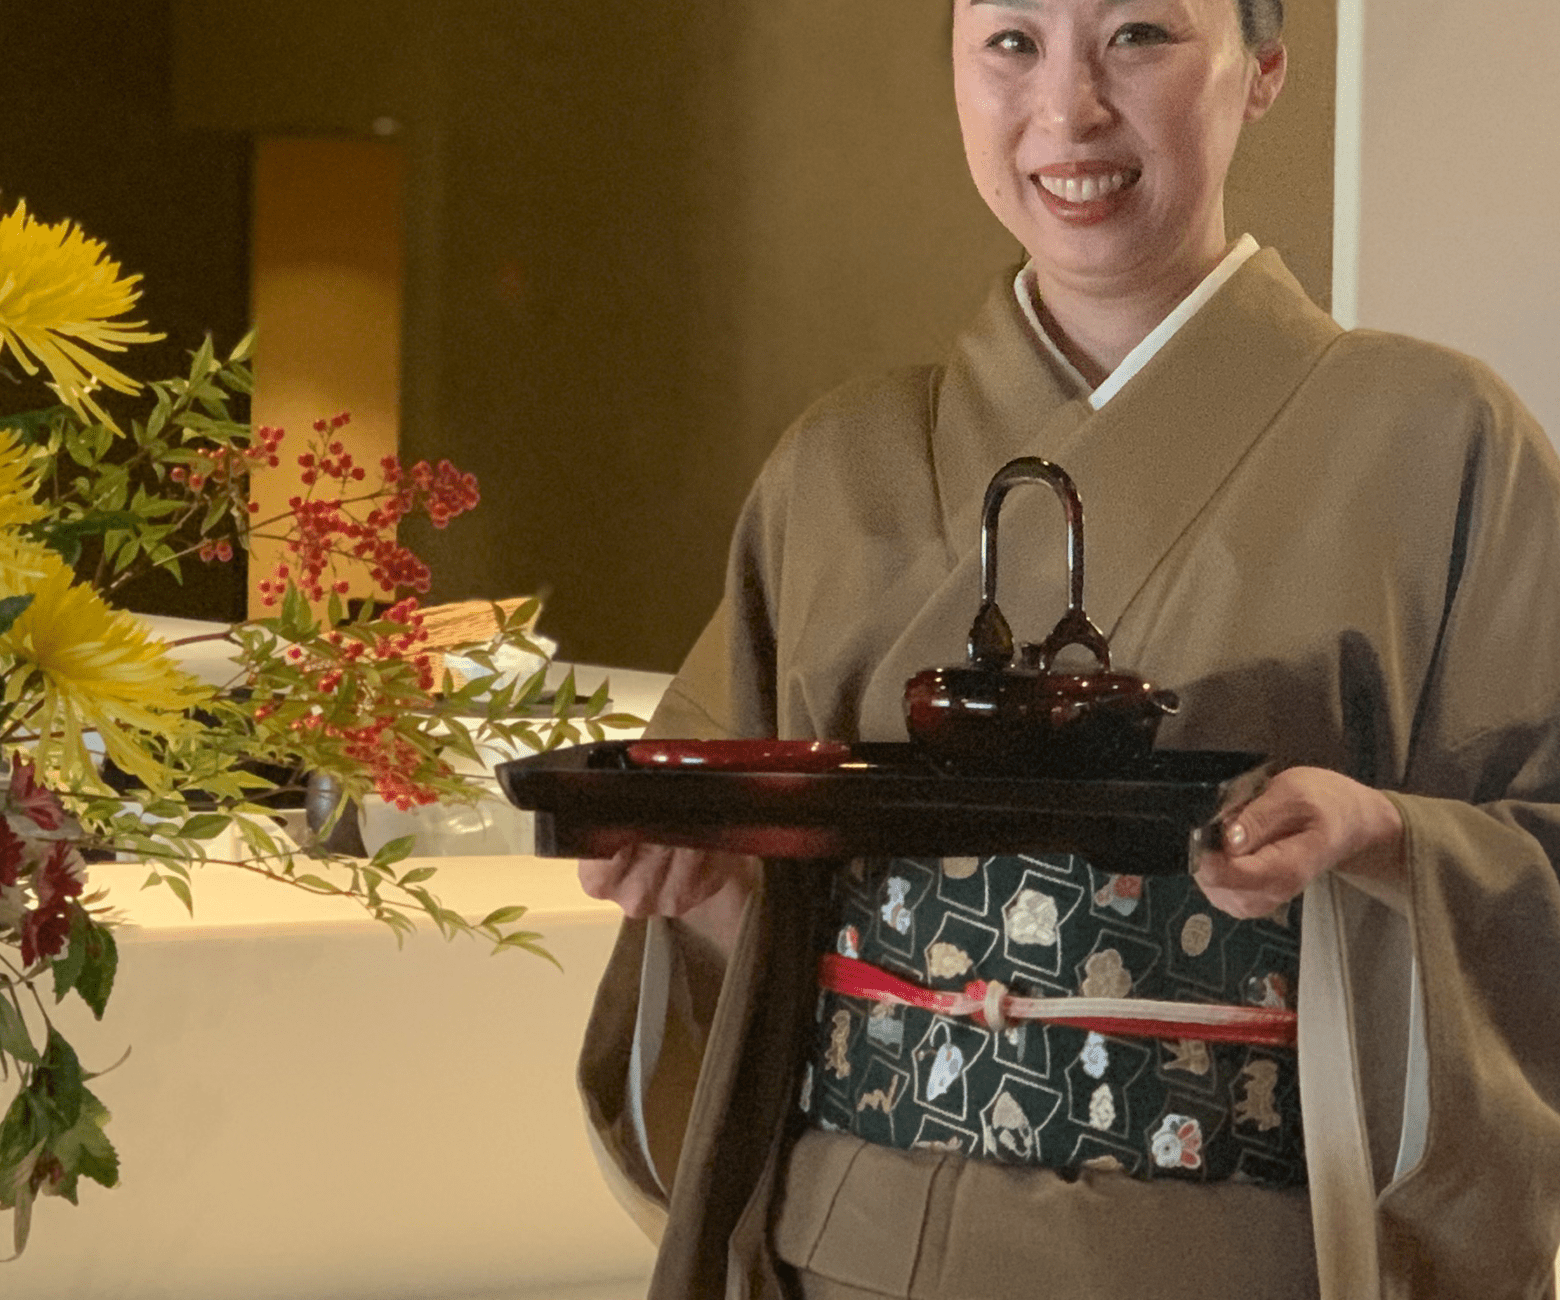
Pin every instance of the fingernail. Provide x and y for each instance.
(1235, 836)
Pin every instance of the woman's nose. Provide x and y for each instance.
(1073, 101)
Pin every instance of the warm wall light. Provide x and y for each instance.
(328, 256)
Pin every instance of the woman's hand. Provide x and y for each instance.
(1308, 820)
(706, 889)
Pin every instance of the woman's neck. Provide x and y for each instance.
(1096, 330)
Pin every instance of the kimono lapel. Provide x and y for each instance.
(1002, 396)
(1146, 464)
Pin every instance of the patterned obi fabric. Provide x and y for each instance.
(1047, 1094)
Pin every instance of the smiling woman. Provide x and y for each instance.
(1320, 540)
(1101, 134)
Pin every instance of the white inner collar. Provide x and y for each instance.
(1028, 296)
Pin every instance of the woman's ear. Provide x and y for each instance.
(1272, 63)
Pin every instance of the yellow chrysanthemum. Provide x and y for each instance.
(58, 292)
(18, 482)
(22, 563)
(88, 667)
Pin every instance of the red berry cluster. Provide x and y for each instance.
(224, 471)
(225, 464)
(388, 758)
(324, 531)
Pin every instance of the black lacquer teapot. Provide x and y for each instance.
(992, 715)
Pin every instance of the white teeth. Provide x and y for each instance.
(1085, 189)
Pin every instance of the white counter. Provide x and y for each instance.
(308, 1113)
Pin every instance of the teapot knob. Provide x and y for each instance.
(991, 639)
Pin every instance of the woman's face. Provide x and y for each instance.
(1100, 131)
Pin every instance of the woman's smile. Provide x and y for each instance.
(1085, 193)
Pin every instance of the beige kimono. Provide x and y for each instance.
(1342, 549)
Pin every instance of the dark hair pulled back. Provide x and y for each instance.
(1261, 21)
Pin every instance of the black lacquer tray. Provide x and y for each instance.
(887, 799)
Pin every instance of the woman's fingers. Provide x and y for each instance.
(1307, 821)
(1249, 885)
(657, 880)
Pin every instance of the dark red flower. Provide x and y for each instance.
(44, 932)
(31, 799)
(55, 880)
(12, 851)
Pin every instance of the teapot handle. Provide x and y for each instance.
(991, 639)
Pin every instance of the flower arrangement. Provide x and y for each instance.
(108, 748)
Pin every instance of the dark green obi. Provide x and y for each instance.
(1057, 1095)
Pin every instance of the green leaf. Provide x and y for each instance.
(531, 688)
(13, 1034)
(158, 421)
(67, 969)
(20, 1198)
(503, 916)
(34, 425)
(296, 623)
(58, 1081)
(417, 875)
(216, 512)
(257, 838)
(11, 609)
(65, 537)
(201, 365)
(620, 720)
(527, 942)
(204, 826)
(459, 739)
(84, 1149)
(181, 890)
(23, 1132)
(316, 882)
(395, 850)
(96, 980)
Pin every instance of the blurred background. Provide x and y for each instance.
(602, 257)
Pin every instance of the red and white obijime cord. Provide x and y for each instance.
(989, 1003)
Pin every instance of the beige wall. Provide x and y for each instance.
(637, 248)
(1449, 181)
(1280, 187)
(327, 277)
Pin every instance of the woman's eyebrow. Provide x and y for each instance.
(1009, 4)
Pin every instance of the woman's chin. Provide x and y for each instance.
(1104, 252)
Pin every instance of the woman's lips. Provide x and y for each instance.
(1082, 193)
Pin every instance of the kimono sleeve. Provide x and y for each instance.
(1474, 1209)
(644, 1044)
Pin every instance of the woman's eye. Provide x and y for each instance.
(1012, 42)
(1140, 34)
